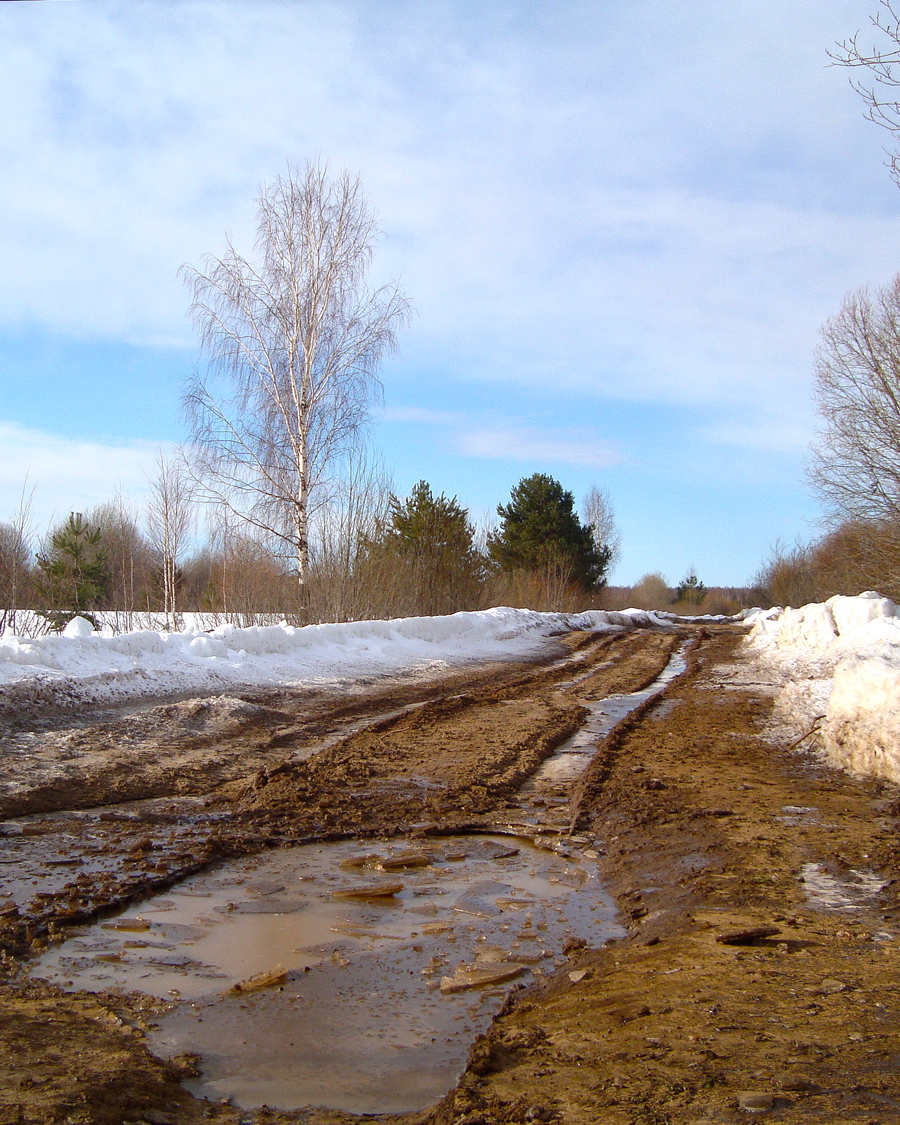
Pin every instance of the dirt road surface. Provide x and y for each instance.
(761, 972)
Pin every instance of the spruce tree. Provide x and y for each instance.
(691, 589)
(540, 528)
(434, 537)
(74, 571)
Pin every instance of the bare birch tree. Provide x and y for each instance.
(294, 339)
(599, 516)
(855, 463)
(169, 518)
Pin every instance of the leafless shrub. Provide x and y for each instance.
(16, 579)
(856, 556)
(652, 592)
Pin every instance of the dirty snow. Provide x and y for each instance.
(82, 666)
(838, 663)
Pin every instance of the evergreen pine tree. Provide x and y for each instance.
(74, 572)
(691, 589)
(540, 528)
(434, 536)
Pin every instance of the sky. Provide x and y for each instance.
(621, 225)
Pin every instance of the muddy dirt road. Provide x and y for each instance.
(758, 974)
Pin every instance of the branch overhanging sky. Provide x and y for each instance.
(621, 226)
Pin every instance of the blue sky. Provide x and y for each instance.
(621, 224)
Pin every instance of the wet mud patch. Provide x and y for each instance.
(338, 975)
(700, 828)
(741, 990)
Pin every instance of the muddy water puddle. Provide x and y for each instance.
(572, 758)
(43, 854)
(351, 975)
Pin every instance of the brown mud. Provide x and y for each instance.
(703, 830)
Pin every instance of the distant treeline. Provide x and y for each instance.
(373, 554)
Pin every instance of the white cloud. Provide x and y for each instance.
(575, 194)
(765, 435)
(543, 447)
(61, 475)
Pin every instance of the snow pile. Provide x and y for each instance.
(83, 666)
(840, 661)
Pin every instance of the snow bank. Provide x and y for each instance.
(841, 664)
(83, 666)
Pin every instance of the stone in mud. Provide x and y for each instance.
(265, 887)
(351, 930)
(755, 1101)
(748, 935)
(369, 890)
(264, 906)
(794, 1082)
(129, 925)
(827, 988)
(355, 861)
(260, 980)
(403, 860)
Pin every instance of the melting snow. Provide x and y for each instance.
(85, 666)
(839, 661)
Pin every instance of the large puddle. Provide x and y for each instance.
(356, 975)
(375, 997)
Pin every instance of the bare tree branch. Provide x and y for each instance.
(855, 462)
(883, 66)
(294, 341)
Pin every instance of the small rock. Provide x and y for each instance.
(577, 974)
(755, 1101)
(369, 890)
(260, 980)
(748, 935)
(794, 1082)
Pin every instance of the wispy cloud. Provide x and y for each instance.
(564, 212)
(765, 435)
(538, 447)
(509, 440)
(63, 475)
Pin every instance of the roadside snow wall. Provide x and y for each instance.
(82, 666)
(840, 661)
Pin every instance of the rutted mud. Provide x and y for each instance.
(701, 830)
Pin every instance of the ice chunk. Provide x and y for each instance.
(480, 976)
(369, 890)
